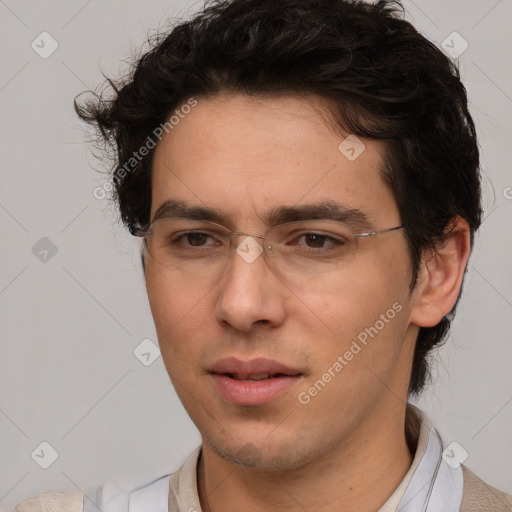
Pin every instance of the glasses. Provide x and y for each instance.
(205, 248)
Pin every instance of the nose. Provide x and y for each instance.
(250, 293)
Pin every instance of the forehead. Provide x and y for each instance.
(244, 154)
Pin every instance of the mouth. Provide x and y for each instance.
(256, 377)
(253, 382)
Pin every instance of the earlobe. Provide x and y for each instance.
(441, 274)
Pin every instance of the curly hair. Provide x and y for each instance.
(386, 81)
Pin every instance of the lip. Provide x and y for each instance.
(246, 392)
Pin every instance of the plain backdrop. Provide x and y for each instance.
(72, 300)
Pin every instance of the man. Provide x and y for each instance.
(304, 175)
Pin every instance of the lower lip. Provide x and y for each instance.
(243, 392)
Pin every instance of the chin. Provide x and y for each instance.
(265, 456)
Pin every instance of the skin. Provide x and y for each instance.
(346, 448)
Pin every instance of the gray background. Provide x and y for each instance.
(69, 326)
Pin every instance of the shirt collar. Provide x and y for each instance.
(433, 483)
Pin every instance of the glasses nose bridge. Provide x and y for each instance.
(234, 234)
(242, 233)
(266, 244)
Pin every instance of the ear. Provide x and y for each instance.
(440, 275)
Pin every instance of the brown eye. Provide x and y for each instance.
(196, 239)
(314, 240)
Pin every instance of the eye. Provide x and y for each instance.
(317, 241)
(196, 239)
(193, 239)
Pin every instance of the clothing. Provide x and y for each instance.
(433, 483)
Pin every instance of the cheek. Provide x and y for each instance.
(177, 312)
(369, 303)
(365, 351)
(173, 298)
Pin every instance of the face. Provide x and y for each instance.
(333, 350)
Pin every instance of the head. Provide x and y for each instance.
(244, 111)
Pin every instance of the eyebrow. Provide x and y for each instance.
(323, 210)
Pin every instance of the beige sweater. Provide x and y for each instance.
(480, 497)
(477, 497)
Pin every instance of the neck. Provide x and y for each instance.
(359, 473)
